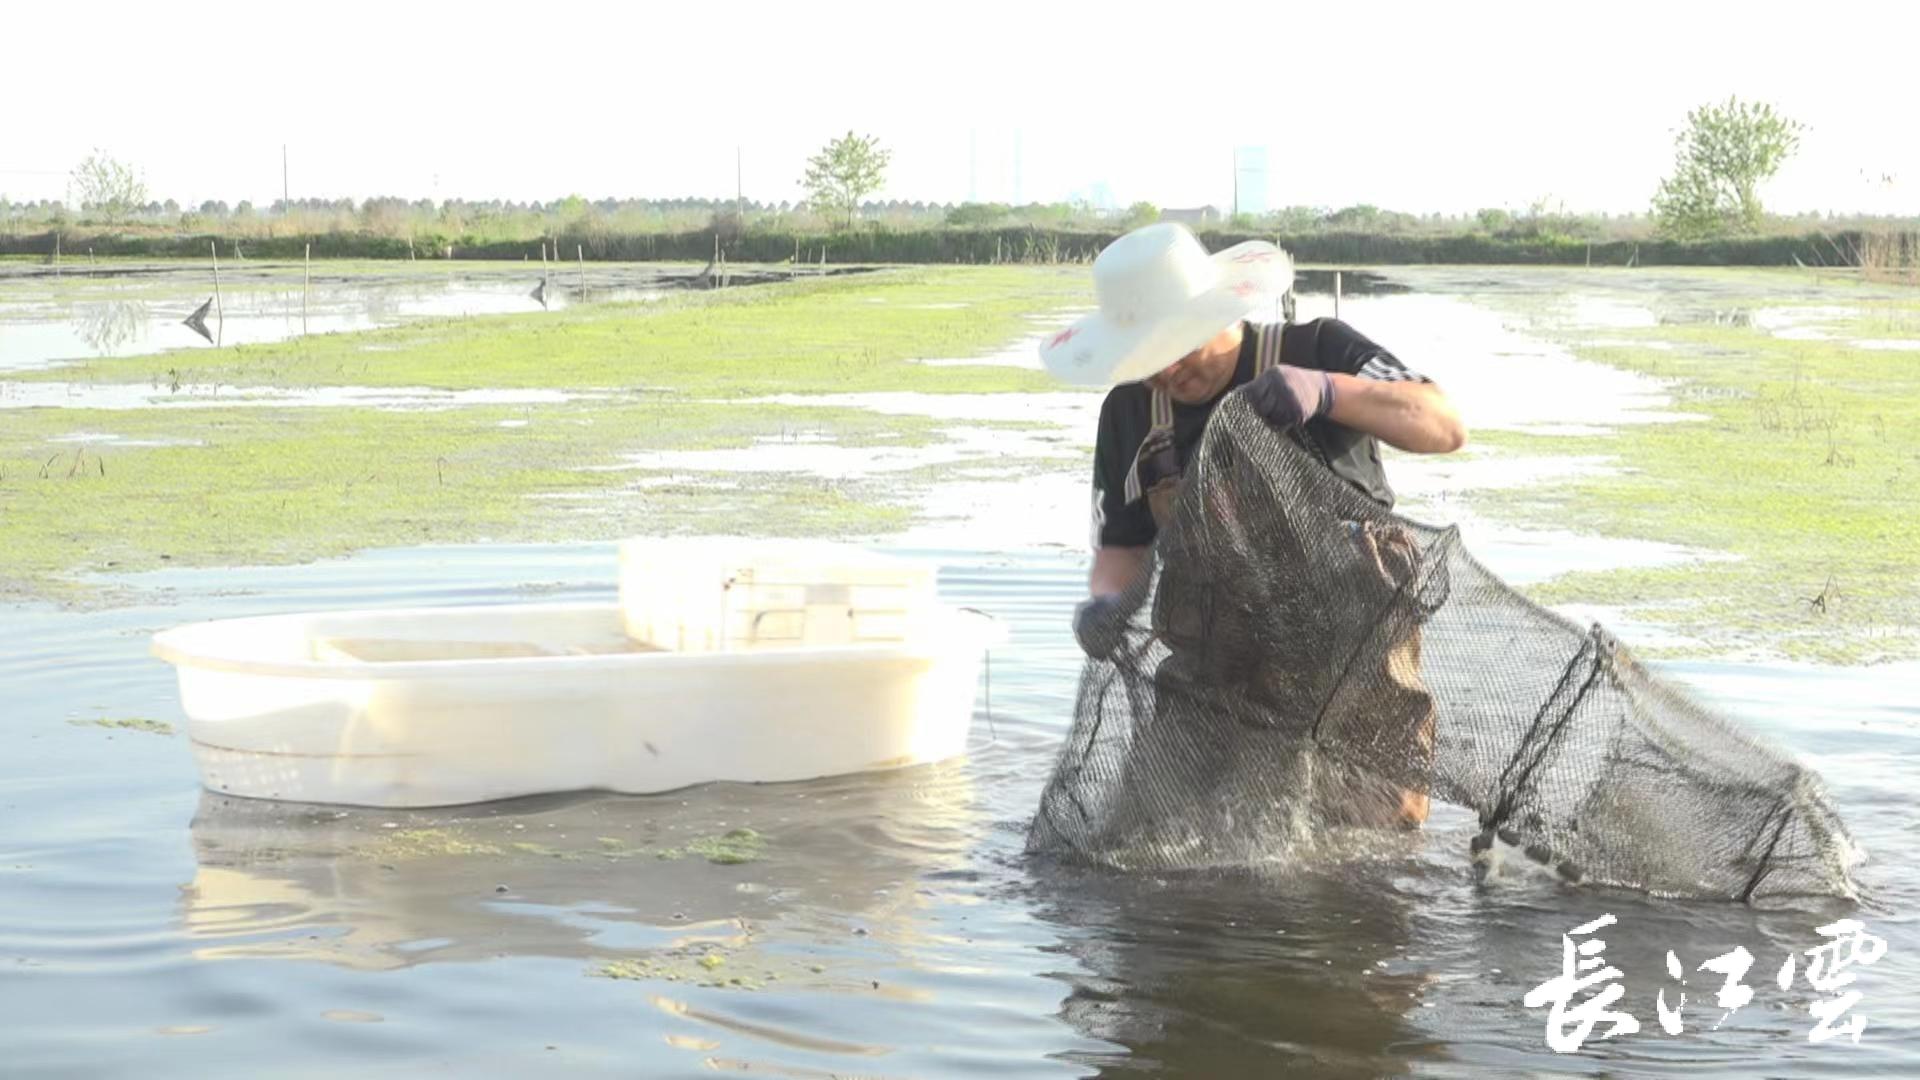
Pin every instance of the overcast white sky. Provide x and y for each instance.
(1415, 106)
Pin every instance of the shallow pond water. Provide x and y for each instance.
(132, 310)
(889, 927)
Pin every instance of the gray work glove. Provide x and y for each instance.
(1100, 625)
(1286, 396)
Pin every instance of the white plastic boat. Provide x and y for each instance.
(718, 663)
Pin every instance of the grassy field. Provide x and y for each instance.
(836, 334)
(214, 486)
(1803, 470)
(1806, 469)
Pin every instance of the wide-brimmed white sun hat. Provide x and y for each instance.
(1161, 297)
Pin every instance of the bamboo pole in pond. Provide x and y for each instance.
(1336, 294)
(219, 308)
(580, 256)
(308, 288)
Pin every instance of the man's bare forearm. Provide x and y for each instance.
(1412, 416)
(1116, 570)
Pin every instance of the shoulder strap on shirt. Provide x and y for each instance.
(1267, 341)
(1160, 432)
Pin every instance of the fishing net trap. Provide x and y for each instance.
(1300, 659)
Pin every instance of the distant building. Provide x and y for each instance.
(1199, 215)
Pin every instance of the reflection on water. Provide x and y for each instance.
(108, 326)
(151, 309)
(161, 314)
(583, 877)
(1303, 969)
(1351, 282)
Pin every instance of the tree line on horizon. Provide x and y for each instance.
(1723, 155)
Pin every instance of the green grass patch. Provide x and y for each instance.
(727, 849)
(1805, 469)
(272, 484)
(807, 336)
(401, 845)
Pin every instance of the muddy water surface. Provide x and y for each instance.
(889, 927)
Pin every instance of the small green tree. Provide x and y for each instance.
(978, 215)
(1722, 157)
(108, 186)
(1494, 220)
(1140, 213)
(845, 171)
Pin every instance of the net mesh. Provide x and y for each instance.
(1303, 659)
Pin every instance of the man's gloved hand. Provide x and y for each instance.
(1286, 396)
(1100, 625)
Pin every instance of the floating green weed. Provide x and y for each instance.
(128, 723)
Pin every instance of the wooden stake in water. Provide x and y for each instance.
(307, 289)
(581, 256)
(219, 309)
(1336, 294)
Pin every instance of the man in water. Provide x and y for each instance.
(1173, 337)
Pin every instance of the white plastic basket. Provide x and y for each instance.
(702, 596)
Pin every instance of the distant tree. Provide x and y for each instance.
(728, 225)
(845, 171)
(978, 215)
(1297, 219)
(1048, 215)
(1362, 216)
(1722, 157)
(1494, 220)
(108, 187)
(1140, 213)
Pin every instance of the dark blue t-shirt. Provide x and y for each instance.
(1127, 416)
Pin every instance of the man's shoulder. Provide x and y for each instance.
(1125, 416)
(1329, 344)
(1126, 401)
(1326, 327)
